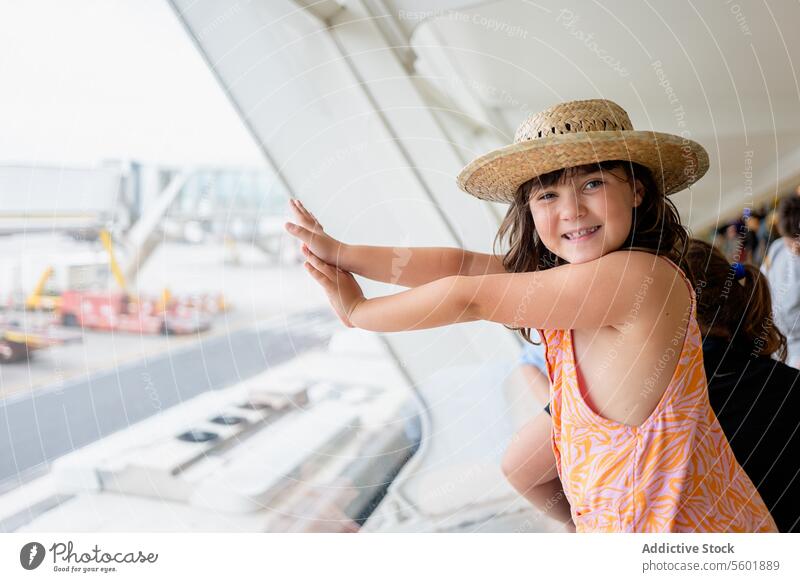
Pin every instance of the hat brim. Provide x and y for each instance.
(675, 162)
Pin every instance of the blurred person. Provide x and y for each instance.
(752, 244)
(782, 268)
(767, 230)
(756, 397)
(731, 244)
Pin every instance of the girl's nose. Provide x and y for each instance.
(572, 207)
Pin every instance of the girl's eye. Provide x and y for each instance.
(546, 196)
(592, 184)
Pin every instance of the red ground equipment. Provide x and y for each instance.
(116, 311)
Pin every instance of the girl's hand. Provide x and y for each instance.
(307, 229)
(341, 287)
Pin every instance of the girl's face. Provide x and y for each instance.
(587, 216)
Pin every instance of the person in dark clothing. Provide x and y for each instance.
(756, 398)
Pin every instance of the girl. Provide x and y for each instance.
(591, 264)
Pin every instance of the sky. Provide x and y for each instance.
(83, 81)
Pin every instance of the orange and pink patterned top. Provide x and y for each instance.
(673, 473)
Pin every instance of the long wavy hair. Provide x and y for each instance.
(656, 227)
(734, 311)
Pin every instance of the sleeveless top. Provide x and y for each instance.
(673, 473)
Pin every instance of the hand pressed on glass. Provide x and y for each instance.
(310, 232)
(343, 292)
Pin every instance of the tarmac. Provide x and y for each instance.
(71, 395)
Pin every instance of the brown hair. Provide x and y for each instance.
(727, 309)
(789, 216)
(656, 226)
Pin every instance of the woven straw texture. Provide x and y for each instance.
(577, 133)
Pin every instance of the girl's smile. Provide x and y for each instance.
(581, 234)
(587, 216)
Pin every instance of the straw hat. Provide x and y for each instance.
(576, 133)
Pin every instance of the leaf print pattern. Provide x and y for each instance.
(675, 472)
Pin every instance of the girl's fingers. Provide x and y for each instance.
(318, 276)
(322, 266)
(298, 207)
(302, 208)
(302, 217)
(328, 285)
(320, 273)
(327, 270)
(298, 231)
(308, 214)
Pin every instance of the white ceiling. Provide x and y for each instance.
(723, 72)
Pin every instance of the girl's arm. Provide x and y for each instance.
(415, 266)
(408, 267)
(589, 295)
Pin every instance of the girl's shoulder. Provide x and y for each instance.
(604, 292)
(644, 263)
(658, 274)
